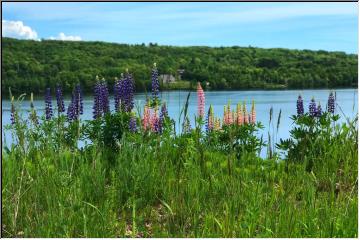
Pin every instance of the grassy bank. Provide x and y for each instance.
(199, 183)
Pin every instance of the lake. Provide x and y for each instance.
(285, 100)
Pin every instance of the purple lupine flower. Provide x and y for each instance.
(60, 99)
(155, 83)
(70, 110)
(12, 114)
(331, 103)
(156, 125)
(132, 124)
(128, 93)
(97, 108)
(117, 94)
(79, 100)
(312, 108)
(163, 114)
(104, 93)
(318, 111)
(164, 110)
(48, 105)
(300, 106)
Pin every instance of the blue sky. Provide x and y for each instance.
(326, 26)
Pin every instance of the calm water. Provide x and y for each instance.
(347, 99)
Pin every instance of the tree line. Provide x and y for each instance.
(34, 65)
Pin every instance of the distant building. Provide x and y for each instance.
(180, 73)
(167, 78)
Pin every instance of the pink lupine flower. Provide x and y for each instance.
(146, 118)
(201, 100)
(239, 116)
(228, 115)
(246, 117)
(229, 119)
(217, 124)
(253, 113)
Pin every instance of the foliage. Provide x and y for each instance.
(33, 65)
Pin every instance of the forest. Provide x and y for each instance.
(29, 65)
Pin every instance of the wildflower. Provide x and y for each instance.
(217, 125)
(210, 120)
(228, 119)
(163, 115)
(117, 94)
(70, 111)
(300, 106)
(13, 111)
(104, 96)
(201, 101)
(132, 124)
(239, 116)
(48, 105)
(97, 108)
(331, 103)
(32, 115)
(253, 113)
(155, 126)
(318, 111)
(155, 83)
(312, 108)
(186, 125)
(146, 118)
(59, 99)
(245, 114)
(128, 93)
(79, 100)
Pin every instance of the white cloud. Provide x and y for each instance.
(17, 29)
(63, 37)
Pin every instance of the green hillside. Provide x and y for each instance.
(33, 65)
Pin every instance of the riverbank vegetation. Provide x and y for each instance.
(34, 65)
(128, 173)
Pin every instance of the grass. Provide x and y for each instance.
(169, 185)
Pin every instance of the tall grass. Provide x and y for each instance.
(176, 186)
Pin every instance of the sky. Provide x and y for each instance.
(315, 26)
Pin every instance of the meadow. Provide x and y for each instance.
(135, 176)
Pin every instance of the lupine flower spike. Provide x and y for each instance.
(97, 108)
(253, 113)
(245, 114)
(331, 103)
(155, 121)
(60, 99)
(201, 101)
(239, 116)
(48, 105)
(104, 93)
(33, 117)
(155, 84)
(186, 125)
(210, 120)
(146, 117)
(300, 106)
(228, 117)
(318, 110)
(312, 108)
(132, 123)
(13, 113)
(128, 92)
(163, 115)
(217, 125)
